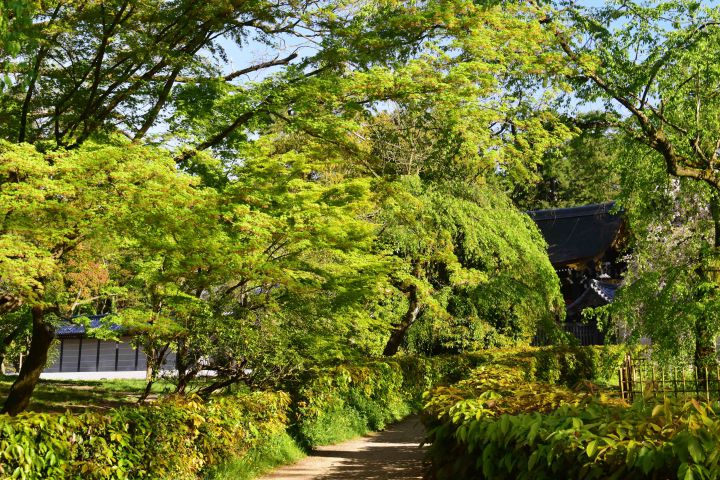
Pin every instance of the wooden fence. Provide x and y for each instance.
(641, 378)
(586, 334)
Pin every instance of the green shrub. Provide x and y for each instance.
(280, 449)
(174, 438)
(234, 435)
(348, 400)
(566, 365)
(334, 404)
(502, 423)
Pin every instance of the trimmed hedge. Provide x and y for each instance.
(565, 365)
(186, 438)
(173, 438)
(502, 423)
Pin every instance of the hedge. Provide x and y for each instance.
(173, 438)
(504, 423)
(334, 404)
(186, 438)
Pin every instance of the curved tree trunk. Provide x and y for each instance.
(399, 331)
(21, 391)
(187, 365)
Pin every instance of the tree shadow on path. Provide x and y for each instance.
(393, 454)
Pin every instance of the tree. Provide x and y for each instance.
(465, 243)
(15, 18)
(578, 172)
(274, 272)
(458, 239)
(665, 294)
(155, 71)
(67, 217)
(656, 63)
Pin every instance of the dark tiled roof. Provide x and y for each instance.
(604, 289)
(71, 329)
(597, 294)
(579, 233)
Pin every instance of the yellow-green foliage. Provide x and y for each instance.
(502, 423)
(348, 400)
(184, 438)
(174, 438)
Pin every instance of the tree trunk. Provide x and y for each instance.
(206, 391)
(155, 359)
(399, 331)
(21, 391)
(705, 352)
(187, 366)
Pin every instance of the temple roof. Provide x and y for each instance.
(70, 329)
(578, 234)
(597, 294)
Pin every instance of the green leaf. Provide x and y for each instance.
(684, 472)
(591, 449)
(695, 450)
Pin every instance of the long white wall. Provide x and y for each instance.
(100, 357)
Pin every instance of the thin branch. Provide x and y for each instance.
(260, 66)
(155, 110)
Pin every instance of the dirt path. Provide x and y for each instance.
(390, 455)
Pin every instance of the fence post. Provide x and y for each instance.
(707, 385)
(629, 372)
(662, 380)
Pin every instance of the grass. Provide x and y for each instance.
(80, 395)
(278, 450)
(333, 427)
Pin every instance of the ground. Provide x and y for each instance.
(80, 395)
(392, 454)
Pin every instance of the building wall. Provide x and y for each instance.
(92, 355)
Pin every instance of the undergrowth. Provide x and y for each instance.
(279, 450)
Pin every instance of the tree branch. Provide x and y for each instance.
(155, 110)
(260, 66)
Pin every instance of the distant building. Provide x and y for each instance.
(584, 246)
(84, 357)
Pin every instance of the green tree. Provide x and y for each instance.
(458, 239)
(275, 272)
(665, 293)
(655, 67)
(578, 172)
(66, 219)
(157, 70)
(465, 243)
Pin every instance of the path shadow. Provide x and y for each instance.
(393, 454)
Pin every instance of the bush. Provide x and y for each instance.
(277, 450)
(334, 404)
(234, 435)
(174, 438)
(345, 401)
(564, 365)
(502, 423)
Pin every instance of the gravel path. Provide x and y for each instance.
(392, 454)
